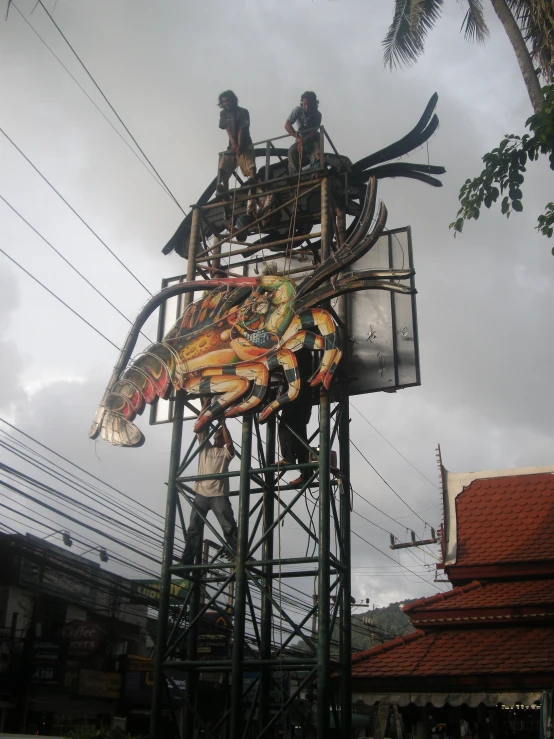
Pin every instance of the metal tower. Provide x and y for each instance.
(247, 593)
(281, 668)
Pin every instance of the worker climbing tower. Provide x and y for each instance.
(258, 641)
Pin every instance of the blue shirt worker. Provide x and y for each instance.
(306, 149)
(236, 121)
(212, 495)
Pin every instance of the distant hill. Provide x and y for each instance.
(371, 628)
(379, 625)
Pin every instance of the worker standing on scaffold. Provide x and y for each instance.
(306, 147)
(212, 494)
(236, 121)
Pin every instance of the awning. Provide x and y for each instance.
(441, 699)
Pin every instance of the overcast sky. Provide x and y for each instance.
(485, 302)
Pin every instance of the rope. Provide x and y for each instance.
(292, 224)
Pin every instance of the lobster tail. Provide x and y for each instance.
(149, 377)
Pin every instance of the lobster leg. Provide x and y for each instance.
(309, 340)
(228, 387)
(286, 359)
(321, 320)
(258, 374)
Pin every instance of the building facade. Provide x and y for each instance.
(482, 655)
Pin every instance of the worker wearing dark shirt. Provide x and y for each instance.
(295, 417)
(236, 121)
(308, 117)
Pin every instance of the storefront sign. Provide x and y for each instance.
(213, 637)
(99, 684)
(84, 638)
(149, 591)
(137, 689)
(47, 660)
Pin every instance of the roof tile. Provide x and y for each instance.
(506, 519)
(467, 652)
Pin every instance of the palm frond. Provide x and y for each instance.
(535, 18)
(474, 26)
(405, 39)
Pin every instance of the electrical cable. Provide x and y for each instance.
(81, 469)
(86, 543)
(114, 255)
(127, 144)
(61, 256)
(395, 449)
(53, 294)
(393, 560)
(76, 521)
(388, 485)
(111, 107)
(84, 489)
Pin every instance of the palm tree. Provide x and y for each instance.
(524, 21)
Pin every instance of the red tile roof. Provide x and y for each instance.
(487, 595)
(506, 519)
(466, 652)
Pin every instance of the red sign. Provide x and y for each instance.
(84, 638)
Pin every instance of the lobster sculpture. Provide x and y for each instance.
(228, 343)
(244, 329)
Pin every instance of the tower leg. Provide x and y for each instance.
(323, 621)
(345, 656)
(265, 625)
(241, 583)
(169, 536)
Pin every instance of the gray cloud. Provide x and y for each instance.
(484, 304)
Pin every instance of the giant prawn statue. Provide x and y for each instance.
(244, 329)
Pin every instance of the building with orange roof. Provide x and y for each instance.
(482, 654)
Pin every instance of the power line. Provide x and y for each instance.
(388, 485)
(76, 521)
(53, 294)
(395, 449)
(133, 152)
(85, 544)
(71, 500)
(392, 559)
(51, 468)
(411, 552)
(81, 275)
(81, 469)
(93, 232)
(111, 106)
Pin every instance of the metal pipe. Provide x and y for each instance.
(272, 189)
(241, 579)
(266, 615)
(191, 259)
(273, 468)
(323, 635)
(248, 248)
(345, 654)
(250, 563)
(262, 218)
(221, 664)
(326, 228)
(268, 244)
(165, 581)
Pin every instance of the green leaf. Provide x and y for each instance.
(505, 206)
(517, 205)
